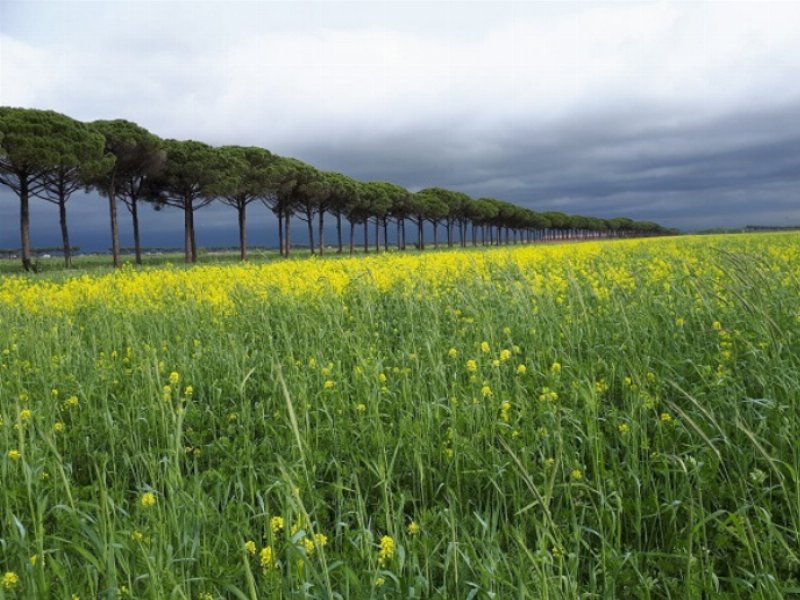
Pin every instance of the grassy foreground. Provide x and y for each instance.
(615, 419)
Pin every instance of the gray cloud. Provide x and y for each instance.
(682, 113)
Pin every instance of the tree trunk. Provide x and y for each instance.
(420, 234)
(112, 209)
(435, 235)
(321, 236)
(25, 222)
(399, 234)
(62, 219)
(194, 239)
(449, 228)
(310, 222)
(339, 231)
(352, 237)
(187, 231)
(366, 236)
(403, 238)
(242, 209)
(281, 249)
(137, 242)
(287, 237)
(377, 235)
(385, 234)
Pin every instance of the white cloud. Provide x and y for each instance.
(184, 75)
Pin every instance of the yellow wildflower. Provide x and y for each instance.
(505, 407)
(452, 353)
(484, 347)
(555, 368)
(266, 558)
(328, 384)
(486, 391)
(308, 544)
(276, 524)
(147, 500)
(174, 378)
(576, 474)
(413, 528)
(505, 355)
(10, 580)
(386, 551)
(472, 366)
(522, 369)
(250, 547)
(14, 454)
(25, 414)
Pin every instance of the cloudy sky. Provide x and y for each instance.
(683, 113)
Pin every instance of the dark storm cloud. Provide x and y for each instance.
(687, 174)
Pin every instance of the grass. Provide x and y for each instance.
(603, 420)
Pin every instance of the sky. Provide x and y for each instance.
(683, 113)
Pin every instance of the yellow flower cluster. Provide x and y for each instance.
(10, 580)
(600, 268)
(386, 550)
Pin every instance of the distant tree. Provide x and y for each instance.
(400, 209)
(193, 175)
(138, 155)
(80, 156)
(290, 179)
(457, 203)
(460, 210)
(343, 194)
(357, 212)
(484, 211)
(142, 161)
(34, 143)
(312, 198)
(418, 207)
(251, 176)
(620, 226)
(375, 195)
(435, 208)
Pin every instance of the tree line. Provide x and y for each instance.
(49, 156)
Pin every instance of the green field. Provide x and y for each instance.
(603, 420)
